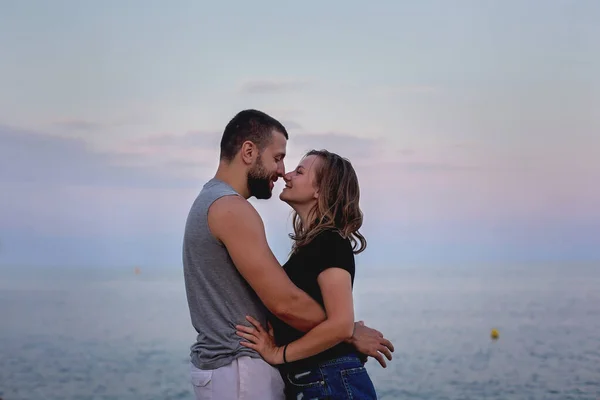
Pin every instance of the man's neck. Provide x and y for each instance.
(234, 177)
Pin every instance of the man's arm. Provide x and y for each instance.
(370, 342)
(234, 222)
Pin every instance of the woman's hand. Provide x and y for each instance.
(261, 341)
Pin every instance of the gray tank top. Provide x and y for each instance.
(218, 296)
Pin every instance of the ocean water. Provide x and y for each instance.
(111, 334)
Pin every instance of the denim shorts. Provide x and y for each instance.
(339, 378)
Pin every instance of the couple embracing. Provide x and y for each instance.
(266, 331)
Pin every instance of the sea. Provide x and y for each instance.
(109, 333)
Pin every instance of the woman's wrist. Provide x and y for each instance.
(281, 355)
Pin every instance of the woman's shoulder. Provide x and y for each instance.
(331, 236)
(332, 249)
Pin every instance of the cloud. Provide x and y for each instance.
(348, 146)
(267, 86)
(291, 125)
(406, 152)
(32, 157)
(80, 124)
(180, 154)
(279, 112)
(397, 90)
(201, 139)
(431, 166)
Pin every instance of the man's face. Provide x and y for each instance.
(267, 168)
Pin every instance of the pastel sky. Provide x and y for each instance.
(474, 126)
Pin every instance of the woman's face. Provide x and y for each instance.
(301, 183)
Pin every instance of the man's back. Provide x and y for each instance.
(217, 294)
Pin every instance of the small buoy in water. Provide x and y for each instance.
(494, 334)
(137, 270)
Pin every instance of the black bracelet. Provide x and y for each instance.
(284, 349)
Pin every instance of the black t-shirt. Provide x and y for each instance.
(326, 250)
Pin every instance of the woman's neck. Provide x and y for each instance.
(305, 215)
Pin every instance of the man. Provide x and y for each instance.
(230, 271)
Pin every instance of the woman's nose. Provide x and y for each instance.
(287, 177)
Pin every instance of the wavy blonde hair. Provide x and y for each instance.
(337, 206)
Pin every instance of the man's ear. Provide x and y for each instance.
(248, 152)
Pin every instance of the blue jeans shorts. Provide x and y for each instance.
(339, 378)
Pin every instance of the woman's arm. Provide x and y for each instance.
(336, 288)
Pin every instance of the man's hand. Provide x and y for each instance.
(371, 342)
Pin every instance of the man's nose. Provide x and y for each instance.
(281, 170)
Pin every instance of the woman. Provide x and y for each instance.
(324, 193)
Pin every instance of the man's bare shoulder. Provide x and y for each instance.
(231, 205)
(232, 212)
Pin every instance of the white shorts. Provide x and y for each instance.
(245, 378)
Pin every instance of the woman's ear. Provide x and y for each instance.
(248, 152)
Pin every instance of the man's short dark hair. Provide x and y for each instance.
(252, 125)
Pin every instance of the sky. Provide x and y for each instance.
(474, 126)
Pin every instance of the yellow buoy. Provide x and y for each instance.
(495, 334)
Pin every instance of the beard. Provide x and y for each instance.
(259, 181)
